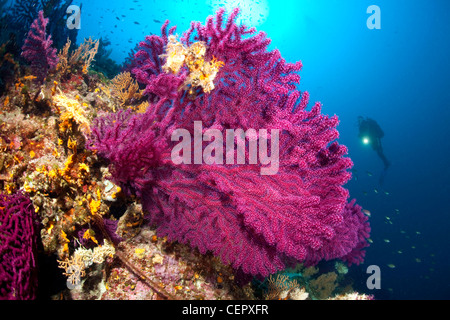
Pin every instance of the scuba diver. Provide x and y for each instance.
(371, 134)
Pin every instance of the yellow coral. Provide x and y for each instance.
(140, 252)
(118, 190)
(72, 144)
(55, 153)
(216, 63)
(28, 188)
(89, 50)
(94, 205)
(63, 58)
(124, 88)
(83, 167)
(65, 241)
(74, 269)
(50, 227)
(89, 234)
(67, 166)
(176, 54)
(142, 108)
(83, 55)
(280, 286)
(53, 173)
(73, 111)
(324, 285)
(201, 73)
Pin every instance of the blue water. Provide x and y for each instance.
(397, 75)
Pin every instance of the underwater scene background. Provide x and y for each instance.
(76, 204)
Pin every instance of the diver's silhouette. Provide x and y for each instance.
(371, 134)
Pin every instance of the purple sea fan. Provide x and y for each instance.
(254, 222)
(353, 234)
(357, 232)
(18, 238)
(38, 50)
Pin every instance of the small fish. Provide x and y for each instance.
(402, 231)
(418, 260)
(413, 247)
(418, 232)
(397, 211)
(400, 251)
(386, 193)
(118, 18)
(387, 218)
(136, 22)
(390, 265)
(369, 173)
(366, 212)
(369, 240)
(157, 21)
(365, 193)
(375, 190)
(387, 240)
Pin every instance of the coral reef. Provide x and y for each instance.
(253, 222)
(86, 170)
(19, 229)
(42, 130)
(183, 273)
(309, 283)
(38, 49)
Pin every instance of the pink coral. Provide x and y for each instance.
(18, 244)
(38, 50)
(255, 223)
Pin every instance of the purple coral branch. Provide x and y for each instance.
(38, 50)
(255, 223)
(18, 238)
